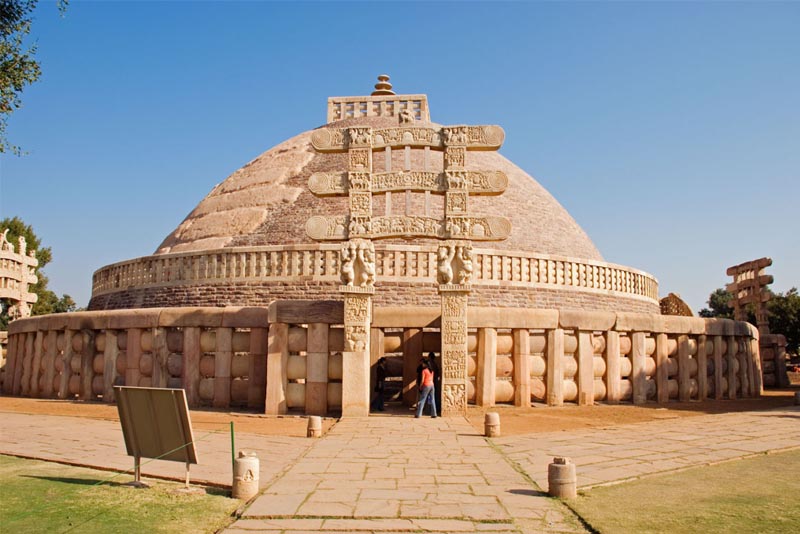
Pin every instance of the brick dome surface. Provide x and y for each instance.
(267, 202)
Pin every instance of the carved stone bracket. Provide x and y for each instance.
(454, 266)
(357, 265)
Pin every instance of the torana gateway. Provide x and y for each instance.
(380, 233)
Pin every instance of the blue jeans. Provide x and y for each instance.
(427, 392)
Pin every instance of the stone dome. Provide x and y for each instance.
(246, 242)
(267, 202)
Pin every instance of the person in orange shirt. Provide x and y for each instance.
(426, 390)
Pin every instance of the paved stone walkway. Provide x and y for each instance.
(608, 455)
(401, 474)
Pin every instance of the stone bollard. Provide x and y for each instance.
(314, 426)
(245, 476)
(797, 398)
(561, 479)
(491, 425)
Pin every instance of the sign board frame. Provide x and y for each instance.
(156, 424)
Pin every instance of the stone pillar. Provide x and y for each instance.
(585, 369)
(757, 374)
(110, 373)
(555, 367)
(683, 369)
(66, 373)
(27, 364)
(356, 355)
(50, 367)
(731, 358)
(277, 359)
(36, 364)
(87, 364)
(662, 369)
(317, 369)
(191, 365)
(160, 355)
(718, 341)
(487, 367)
(522, 369)
(702, 368)
(638, 376)
(744, 375)
(612, 367)
(454, 349)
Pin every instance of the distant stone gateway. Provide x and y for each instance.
(379, 234)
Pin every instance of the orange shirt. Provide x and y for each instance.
(427, 377)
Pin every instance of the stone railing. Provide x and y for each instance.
(288, 357)
(394, 263)
(350, 107)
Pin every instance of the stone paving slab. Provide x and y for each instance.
(608, 455)
(402, 474)
(99, 443)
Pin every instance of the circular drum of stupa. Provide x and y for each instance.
(246, 242)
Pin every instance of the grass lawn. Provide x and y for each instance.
(759, 494)
(47, 497)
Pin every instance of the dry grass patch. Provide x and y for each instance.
(753, 495)
(40, 496)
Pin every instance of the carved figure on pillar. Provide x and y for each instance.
(445, 266)
(347, 270)
(465, 256)
(455, 263)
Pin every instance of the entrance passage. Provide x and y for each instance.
(403, 350)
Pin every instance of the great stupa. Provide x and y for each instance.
(247, 243)
(380, 234)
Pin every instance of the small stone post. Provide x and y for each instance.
(561, 479)
(245, 476)
(314, 426)
(491, 425)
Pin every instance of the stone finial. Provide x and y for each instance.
(383, 87)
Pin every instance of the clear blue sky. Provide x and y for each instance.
(670, 131)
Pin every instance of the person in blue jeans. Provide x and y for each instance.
(426, 390)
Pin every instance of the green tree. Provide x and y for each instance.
(718, 305)
(18, 65)
(784, 318)
(48, 301)
(783, 310)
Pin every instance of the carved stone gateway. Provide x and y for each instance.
(17, 274)
(357, 228)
